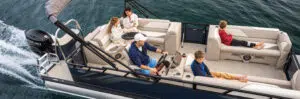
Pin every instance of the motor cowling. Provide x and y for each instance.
(39, 41)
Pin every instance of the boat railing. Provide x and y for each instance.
(76, 30)
(156, 79)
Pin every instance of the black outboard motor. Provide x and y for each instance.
(39, 41)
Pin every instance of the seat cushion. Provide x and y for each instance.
(236, 32)
(154, 34)
(103, 40)
(188, 63)
(91, 35)
(155, 26)
(281, 83)
(251, 51)
(296, 81)
(154, 40)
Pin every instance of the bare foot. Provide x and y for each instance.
(259, 45)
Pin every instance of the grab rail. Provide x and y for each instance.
(56, 34)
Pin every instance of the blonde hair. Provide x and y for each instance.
(113, 21)
(223, 24)
(199, 54)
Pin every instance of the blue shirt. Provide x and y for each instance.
(140, 57)
(200, 69)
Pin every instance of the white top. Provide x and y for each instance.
(130, 22)
(116, 34)
(140, 48)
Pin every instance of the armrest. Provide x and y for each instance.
(284, 42)
(213, 44)
(219, 82)
(173, 38)
(284, 45)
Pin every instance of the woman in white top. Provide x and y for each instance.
(130, 21)
(115, 31)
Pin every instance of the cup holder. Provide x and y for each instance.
(188, 76)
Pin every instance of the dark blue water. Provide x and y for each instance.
(18, 78)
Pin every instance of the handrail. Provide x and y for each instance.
(56, 34)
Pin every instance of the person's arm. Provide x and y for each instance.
(224, 36)
(207, 70)
(135, 20)
(113, 35)
(149, 47)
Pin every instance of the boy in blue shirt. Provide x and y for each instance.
(138, 55)
(200, 69)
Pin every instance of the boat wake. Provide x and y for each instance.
(16, 60)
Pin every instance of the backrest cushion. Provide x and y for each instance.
(154, 25)
(258, 32)
(103, 37)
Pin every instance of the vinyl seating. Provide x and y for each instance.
(277, 45)
(255, 84)
(162, 33)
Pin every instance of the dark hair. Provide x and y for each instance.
(126, 9)
(199, 54)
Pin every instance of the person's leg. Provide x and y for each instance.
(152, 62)
(147, 72)
(236, 42)
(228, 76)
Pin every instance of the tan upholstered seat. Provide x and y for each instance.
(296, 81)
(162, 33)
(275, 55)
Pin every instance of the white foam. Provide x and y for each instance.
(14, 48)
(14, 75)
(12, 66)
(13, 58)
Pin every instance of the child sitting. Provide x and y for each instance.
(200, 69)
(227, 39)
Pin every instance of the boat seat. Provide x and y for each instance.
(251, 51)
(296, 81)
(249, 86)
(278, 41)
(155, 41)
(219, 82)
(154, 34)
(281, 83)
(100, 38)
(189, 60)
(162, 33)
(153, 25)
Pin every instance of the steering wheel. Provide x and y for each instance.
(162, 59)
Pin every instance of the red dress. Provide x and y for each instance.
(225, 38)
